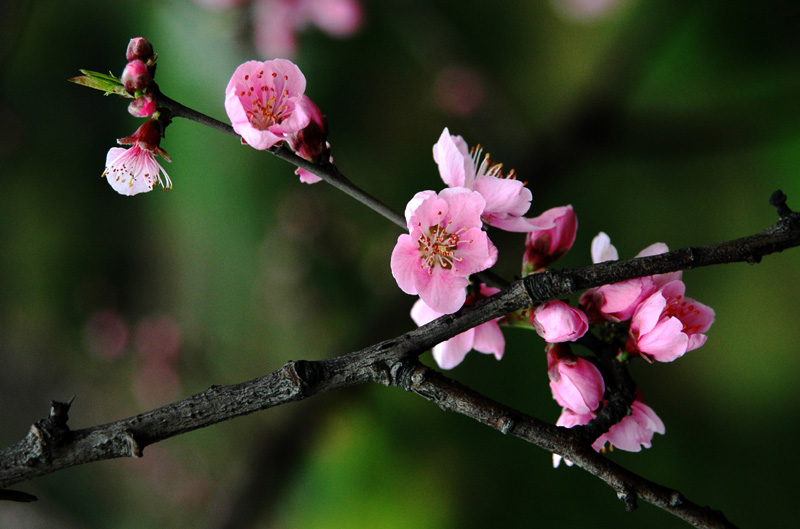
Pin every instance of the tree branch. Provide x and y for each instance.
(51, 446)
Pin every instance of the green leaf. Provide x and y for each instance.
(108, 83)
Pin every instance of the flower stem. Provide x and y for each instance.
(327, 171)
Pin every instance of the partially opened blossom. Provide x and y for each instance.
(445, 244)
(311, 143)
(634, 431)
(136, 170)
(556, 322)
(507, 199)
(667, 325)
(617, 302)
(543, 247)
(576, 383)
(264, 101)
(485, 338)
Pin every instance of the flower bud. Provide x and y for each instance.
(543, 247)
(136, 76)
(556, 322)
(139, 49)
(143, 107)
(576, 383)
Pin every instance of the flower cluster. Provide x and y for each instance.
(267, 106)
(446, 244)
(136, 170)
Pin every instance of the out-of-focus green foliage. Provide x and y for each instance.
(661, 121)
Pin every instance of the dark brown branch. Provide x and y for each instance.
(52, 446)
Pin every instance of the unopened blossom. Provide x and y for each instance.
(136, 76)
(617, 302)
(144, 106)
(667, 324)
(264, 101)
(445, 244)
(543, 247)
(507, 199)
(557, 322)
(576, 383)
(311, 143)
(136, 170)
(485, 338)
(139, 48)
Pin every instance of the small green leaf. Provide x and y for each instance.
(108, 83)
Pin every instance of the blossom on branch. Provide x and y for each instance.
(310, 143)
(264, 101)
(485, 338)
(507, 199)
(576, 383)
(557, 322)
(445, 244)
(136, 170)
(543, 247)
(667, 325)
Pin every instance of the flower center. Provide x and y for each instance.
(268, 106)
(438, 247)
(485, 167)
(682, 310)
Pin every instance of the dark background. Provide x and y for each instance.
(658, 121)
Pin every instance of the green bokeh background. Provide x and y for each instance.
(662, 121)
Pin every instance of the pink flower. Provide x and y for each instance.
(543, 247)
(143, 107)
(310, 143)
(618, 301)
(556, 322)
(445, 244)
(485, 338)
(135, 170)
(136, 76)
(667, 325)
(264, 101)
(507, 199)
(634, 431)
(576, 383)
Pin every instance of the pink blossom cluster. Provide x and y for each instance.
(136, 170)
(447, 243)
(267, 106)
(277, 22)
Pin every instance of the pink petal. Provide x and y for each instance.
(453, 160)
(442, 290)
(405, 263)
(489, 339)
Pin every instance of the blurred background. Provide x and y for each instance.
(658, 121)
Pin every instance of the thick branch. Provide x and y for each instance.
(51, 445)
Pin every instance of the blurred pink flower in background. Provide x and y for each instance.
(156, 381)
(105, 334)
(459, 90)
(277, 22)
